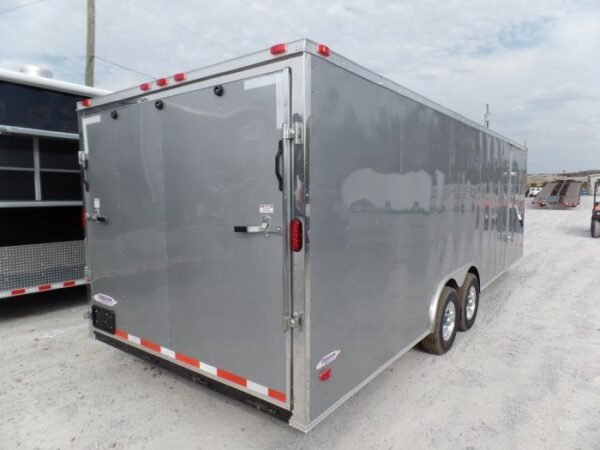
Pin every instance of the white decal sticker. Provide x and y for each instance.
(105, 299)
(91, 120)
(266, 208)
(268, 80)
(257, 82)
(328, 359)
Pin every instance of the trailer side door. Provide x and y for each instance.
(189, 185)
(225, 219)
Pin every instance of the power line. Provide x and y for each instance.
(268, 16)
(121, 66)
(165, 18)
(25, 5)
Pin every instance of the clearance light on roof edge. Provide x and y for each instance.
(278, 49)
(162, 82)
(179, 77)
(86, 102)
(145, 86)
(323, 50)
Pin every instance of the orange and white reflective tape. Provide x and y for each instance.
(203, 367)
(42, 288)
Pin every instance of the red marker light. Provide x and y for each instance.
(296, 235)
(145, 86)
(325, 374)
(162, 82)
(278, 49)
(323, 50)
(86, 102)
(179, 77)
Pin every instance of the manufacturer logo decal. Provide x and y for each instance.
(105, 299)
(328, 359)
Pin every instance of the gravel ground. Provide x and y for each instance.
(526, 376)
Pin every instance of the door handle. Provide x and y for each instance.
(264, 227)
(96, 217)
(278, 173)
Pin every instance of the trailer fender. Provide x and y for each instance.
(449, 280)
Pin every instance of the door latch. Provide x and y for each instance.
(83, 159)
(292, 321)
(96, 216)
(264, 227)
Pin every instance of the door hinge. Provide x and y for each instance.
(292, 132)
(83, 159)
(87, 273)
(293, 321)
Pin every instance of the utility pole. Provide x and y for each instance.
(91, 42)
(486, 116)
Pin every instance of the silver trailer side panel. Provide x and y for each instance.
(400, 197)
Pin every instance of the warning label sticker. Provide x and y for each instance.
(266, 208)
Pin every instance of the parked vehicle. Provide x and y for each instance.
(595, 224)
(289, 223)
(534, 191)
(41, 238)
(560, 193)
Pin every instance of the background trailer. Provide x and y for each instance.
(41, 230)
(289, 223)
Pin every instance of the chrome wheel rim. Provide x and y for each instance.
(471, 302)
(449, 321)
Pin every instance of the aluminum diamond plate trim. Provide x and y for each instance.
(22, 266)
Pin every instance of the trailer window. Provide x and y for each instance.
(17, 185)
(35, 169)
(60, 186)
(31, 107)
(16, 169)
(58, 154)
(16, 152)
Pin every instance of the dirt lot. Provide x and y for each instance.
(526, 376)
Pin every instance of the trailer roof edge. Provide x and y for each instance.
(50, 83)
(292, 49)
(345, 63)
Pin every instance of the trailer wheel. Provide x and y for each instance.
(444, 332)
(468, 302)
(595, 228)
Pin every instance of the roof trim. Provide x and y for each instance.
(51, 84)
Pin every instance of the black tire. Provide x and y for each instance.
(595, 228)
(435, 342)
(464, 322)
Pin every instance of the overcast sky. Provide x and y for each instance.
(537, 62)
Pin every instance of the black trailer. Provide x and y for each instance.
(41, 232)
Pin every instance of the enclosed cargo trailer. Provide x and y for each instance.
(41, 230)
(288, 223)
